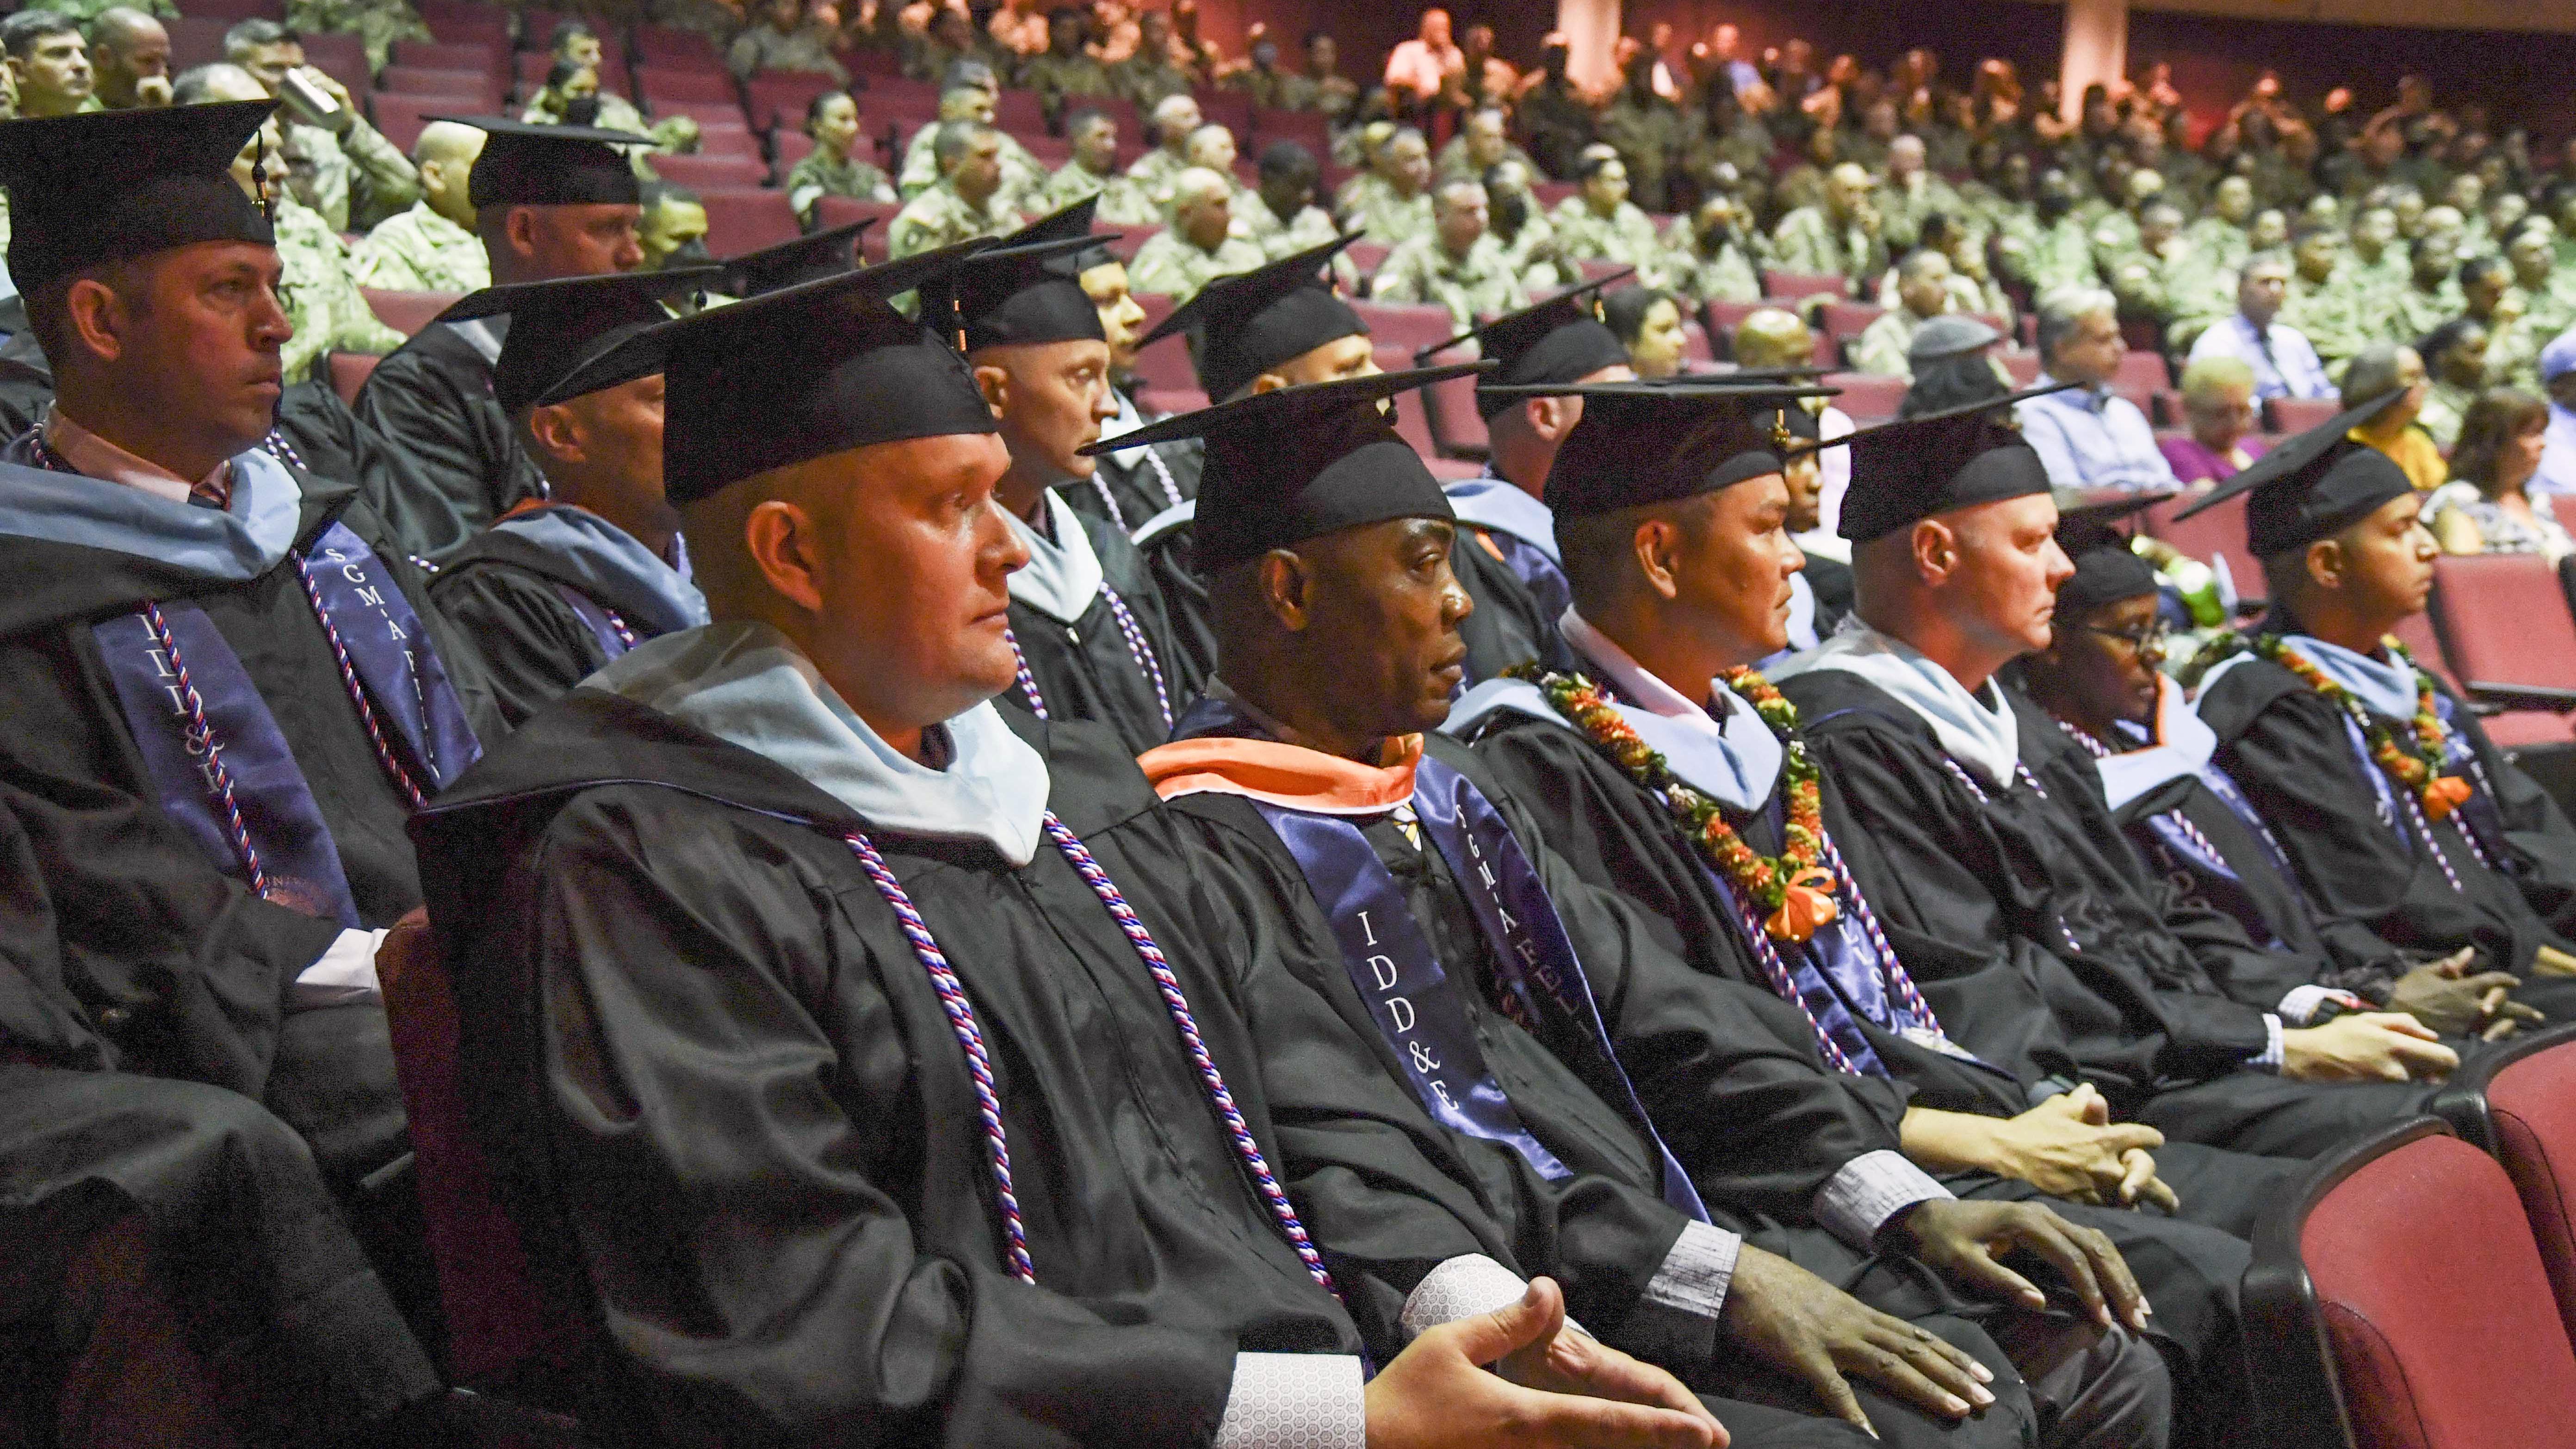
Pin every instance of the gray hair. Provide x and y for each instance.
(254, 34)
(2062, 310)
(2372, 371)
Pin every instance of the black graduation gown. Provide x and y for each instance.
(1980, 896)
(2286, 746)
(1136, 489)
(701, 1051)
(503, 597)
(1604, 1230)
(1830, 580)
(145, 995)
(1509, 625)
(1085, 671)
(1185, 597)
(432, 399)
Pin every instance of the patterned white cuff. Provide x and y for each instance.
(1462, 1287)
(2274, 1049)
(1858, 1200)
(343, 973)
(1698, 1271)
(1294, 1401)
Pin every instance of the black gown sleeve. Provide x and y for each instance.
(436, 409)
(523, 640)
(776, 1289)
(1185, 604)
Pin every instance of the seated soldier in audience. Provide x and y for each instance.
(1599, 223)
(1978, 832)
(1691, 570)
(1483, 142)
(1648, 323)
(2390, 804)
(2430, 295)
(316, 282)
(129, 52)
(1311, 777)
(1063, 75)
(833, 168)
(1279, 213)
(969, 92)
(1520, 223)
(1972, 287)
(1836, 237)
(2101, 682)
(1393, 205)
(1922, 293)
(2088, 436)
(2329, 300)
(1712, 252)
(559, 586)
(1211, 148)
(576, 42)
(2455, 372)
(376, 23)
(1149, 75)
(1457, 264)
(549, 201)
(222, 700)
(672, 231)
(1093, 171)
(2397, 430)
(969, 201)
(433, 246)
(1168, 123)
(339, 165)
(2219, 412)
(832, 725)
(1773, 339)
(1132, 486)
(49, 65)
(1086, 624)
(784, 39)
(1199, 246)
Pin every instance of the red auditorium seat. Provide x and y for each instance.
(2212, 537)
(744, 219)
(197, 40)
(2141, 372)
(445, 55)
(723, 173)
(1162, 402)
(1413, 423)
(1306, 128)
(710, 115)
(1847, 320)
(2398, 1301)
(349, 371)
(790, 144)
(1411, 326)
(2020, 363)
(1048, 151)
(910, 97)
(457, 20)
(660, 83)
(2503, 621)
(1368, 256)
(407, 312)
(1130, 238)
(1230, 109)
(1801, 285)
(1020, 113)
(1131, 126)
(869, 63)
(1450, 407)
(1695, 347)
(341, 57)
(728, 138)
(672, 48)
(1552, 194)
(400, 118)
(2298, 414)
(779, 97)
(474, 90)
(1164, 366)
(2515, 1102)
(1867, 397)
(231, 12)
(1594, 269)
(832, 211)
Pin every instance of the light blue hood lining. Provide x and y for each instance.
(234, 544)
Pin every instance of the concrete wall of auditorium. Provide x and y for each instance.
(2521, 76)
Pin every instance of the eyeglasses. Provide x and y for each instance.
(2144, 638)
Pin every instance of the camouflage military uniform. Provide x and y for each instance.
(1155, 174)
(1880, 348)
(1122, 201)
(314, 286)
(1733, 275)
(1023, 177)
(376, 23)
(806, 48)
(82, 12)
(2413, 312)
(713, 19)
(1061, 78)
(1423, 270)
(1392, 219)
(1535, 255)
(1648, 136)
(2339, 316)
(2222, 241)
(1454, 164)
(1275, 90)
(2178, 289)
(820, 175)
(1168, 264)
(2444, 405)
(940, 217)
(421, 251)
(1808, 241)
(1146, 79)
(1254, 220)
(354, 181)
(616, 113)
(1902, 210)
(2055, 256)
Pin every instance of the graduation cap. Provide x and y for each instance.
(530, 163)
(796, 374)
(103, 186)
(1072, 221)
(807, 258)
(2312, 486)
(1643, 443)
(2106, 571)
(1559, 339)
(1014, 293)
(555, 325)
(1297, 463)
(1245, 325)
(1913, 468)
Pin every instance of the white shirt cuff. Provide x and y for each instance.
(1294, 1401)
(1462, 1287)
(1871, 1188)
(1697, 1272)
(2274, 1049)
(343, 973)
(2299, 1006)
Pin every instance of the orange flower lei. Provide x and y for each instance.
(2418, 768)
(1793, 887)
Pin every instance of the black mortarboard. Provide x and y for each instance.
(1643, 443)
(2106, 571)
(797, 374)
(1559, 339)
(530, 163)
(1913, 468)
(555, 325)
(1243, 326)
(103, 186)
(2312, 486)
(1014, 294)
(1297, 463)
(1073, 221)
(806, 259)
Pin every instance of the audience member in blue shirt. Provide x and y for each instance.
(2088, 437)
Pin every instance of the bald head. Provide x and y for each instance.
(444, 157)
(1175, 117)
(130, 53)
(218, 81)
(1904, 156)
(1211, 147)
(1202, 207)
(1774, 337)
